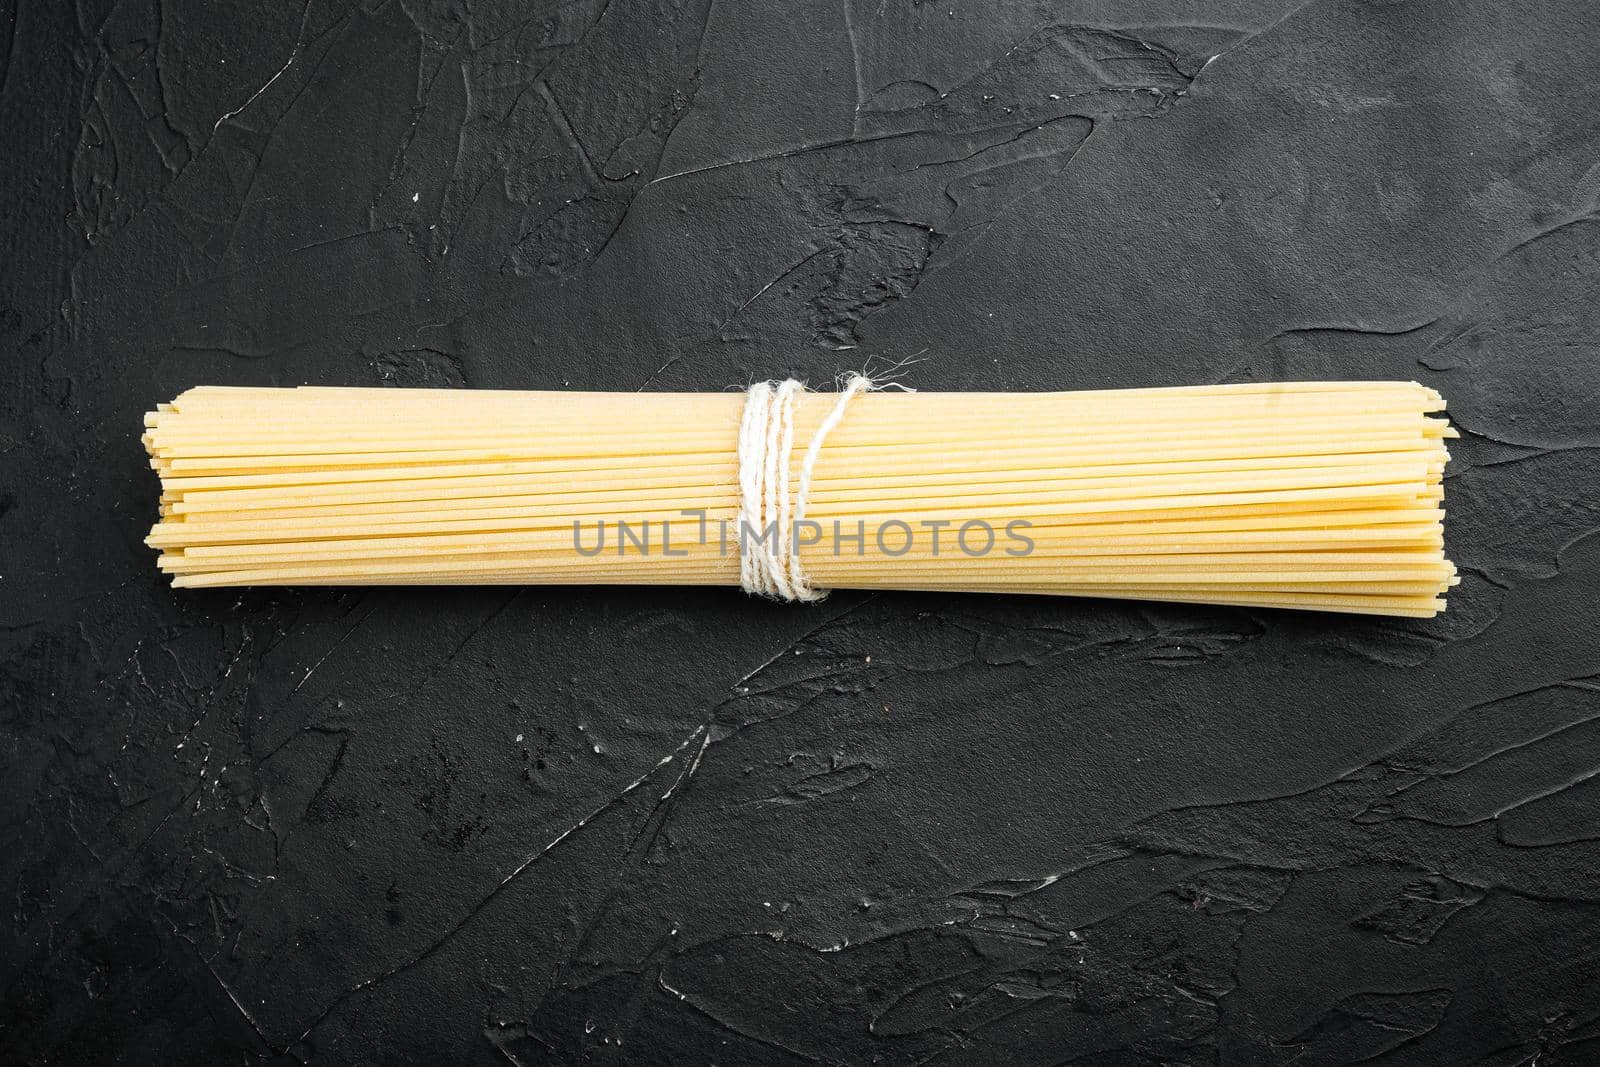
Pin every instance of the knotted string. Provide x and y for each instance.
(769, 558)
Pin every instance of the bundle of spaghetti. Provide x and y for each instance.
(1317, 495)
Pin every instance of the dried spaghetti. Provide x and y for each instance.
(1320, 495)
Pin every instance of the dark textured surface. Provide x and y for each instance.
(680, 826)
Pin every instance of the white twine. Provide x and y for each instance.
(769, 566)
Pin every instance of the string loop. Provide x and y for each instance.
(769, 558)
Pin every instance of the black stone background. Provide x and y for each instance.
(614, 826)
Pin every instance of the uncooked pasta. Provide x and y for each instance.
(1317, 495)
